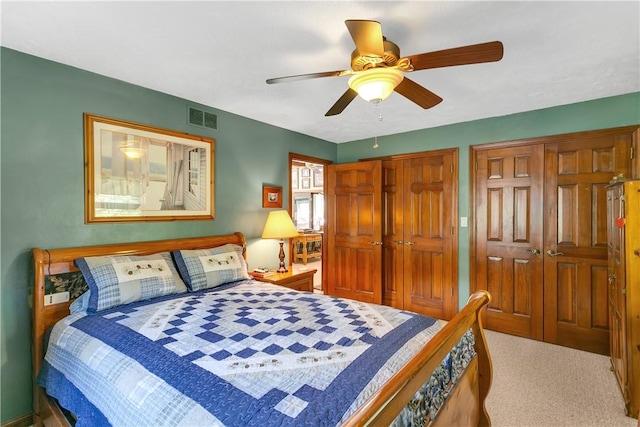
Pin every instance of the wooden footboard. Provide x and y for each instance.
(465, 405)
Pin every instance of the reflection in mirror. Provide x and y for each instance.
(145, 174)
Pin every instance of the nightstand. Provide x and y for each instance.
(300, 281)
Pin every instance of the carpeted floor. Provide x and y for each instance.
(540, 384)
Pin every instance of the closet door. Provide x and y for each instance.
(509, 237)
(354, 236)
(575, 272)
(419, 233)
(393, 233)
(430, 279)
(540, 234)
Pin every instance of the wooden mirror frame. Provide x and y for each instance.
(188, 171)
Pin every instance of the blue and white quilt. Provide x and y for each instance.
(244, 354)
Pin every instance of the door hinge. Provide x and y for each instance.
(633, 151)
(451, 291)
(451, 169)
(453, 230)
(476, 165)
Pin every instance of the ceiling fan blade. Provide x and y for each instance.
(342, 103)
(309, 76)
(472, 54)
(367, 36)
(418, 94)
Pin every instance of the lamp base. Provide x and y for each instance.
(282, 268)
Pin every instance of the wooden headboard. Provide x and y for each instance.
(51, 262)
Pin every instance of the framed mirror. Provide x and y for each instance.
(136, 172)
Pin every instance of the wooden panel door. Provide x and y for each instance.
(430, 214)
(392, 233)
(570, 292)
(509, 237)
(354, 231)
(575, 274)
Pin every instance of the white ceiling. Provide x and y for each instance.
(219, 53)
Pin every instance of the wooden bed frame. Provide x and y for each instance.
(465, 405)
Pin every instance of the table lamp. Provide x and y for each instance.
(279, 226)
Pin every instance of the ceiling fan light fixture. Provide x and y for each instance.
(133, 148)
(133, 152)
(376, 84)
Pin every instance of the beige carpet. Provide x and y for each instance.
(540, 384)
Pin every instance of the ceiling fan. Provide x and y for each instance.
(377, 68)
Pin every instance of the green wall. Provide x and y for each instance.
(42, 183)
(603, 113)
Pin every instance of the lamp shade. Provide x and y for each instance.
(376, 84)
(279, 226)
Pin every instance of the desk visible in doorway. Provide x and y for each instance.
(307, 245)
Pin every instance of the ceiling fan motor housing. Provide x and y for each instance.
(364, 62)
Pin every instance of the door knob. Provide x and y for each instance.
(533, 251)
(409, 243)
(554, 253)
(375, 243)
(398, 242)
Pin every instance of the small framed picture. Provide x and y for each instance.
(294, 179)
(306, 183)
(305, 172)
(318, 179)
(271, 197)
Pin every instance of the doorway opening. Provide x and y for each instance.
(307, 209)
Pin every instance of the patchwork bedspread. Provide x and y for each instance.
(248, 354)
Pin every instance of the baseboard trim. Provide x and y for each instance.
(25, 421)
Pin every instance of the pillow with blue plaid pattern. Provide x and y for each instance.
(121, 279)
(208, 268)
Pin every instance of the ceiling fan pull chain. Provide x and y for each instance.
(378, 110)
(380, 118)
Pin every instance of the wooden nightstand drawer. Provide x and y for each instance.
(300, 281)
(300, 284)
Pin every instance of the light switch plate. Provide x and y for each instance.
(463, 221)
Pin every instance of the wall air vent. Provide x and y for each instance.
(201, 118)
